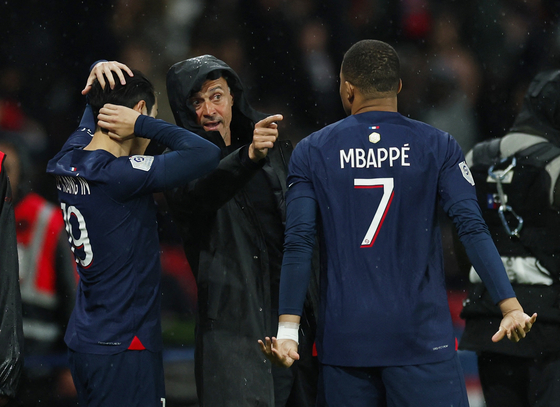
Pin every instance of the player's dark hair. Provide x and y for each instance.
(372, 66)
(137, 88)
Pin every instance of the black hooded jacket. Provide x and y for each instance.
(11, 329)
(225, 244)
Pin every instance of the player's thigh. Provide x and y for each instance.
(129, 378)
(426, 385)
(351, 387)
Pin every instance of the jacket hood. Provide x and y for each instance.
(540, 112)
(186, 77)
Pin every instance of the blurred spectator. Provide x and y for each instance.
(12, 116)
(47, 282)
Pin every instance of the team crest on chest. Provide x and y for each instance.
(374, 137)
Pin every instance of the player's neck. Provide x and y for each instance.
(385, 104)
(101, 141)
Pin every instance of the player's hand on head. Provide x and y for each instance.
(118, 120)
(282, 352)
(515, 326)
(265, 135)
(102, 71)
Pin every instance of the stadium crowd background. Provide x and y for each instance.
(465, 68)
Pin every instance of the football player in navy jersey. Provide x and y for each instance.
(105, 187)
(370, 185)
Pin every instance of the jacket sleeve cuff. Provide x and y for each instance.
(247, 162)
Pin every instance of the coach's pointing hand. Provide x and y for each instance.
(264, 137)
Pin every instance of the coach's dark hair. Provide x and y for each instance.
(372, 66)
(137, 88)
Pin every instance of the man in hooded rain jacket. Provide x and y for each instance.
(232, 225)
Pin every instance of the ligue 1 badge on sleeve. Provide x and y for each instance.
(466, 172)
(141, 162)
(374, 137)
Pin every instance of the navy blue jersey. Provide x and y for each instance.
(377, 178)
(110, 219)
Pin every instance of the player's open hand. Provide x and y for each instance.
(118, 121)
(102, 72)
(264, 137)
(282, 352)
(515, 325)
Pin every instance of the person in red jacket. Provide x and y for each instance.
(47, 276)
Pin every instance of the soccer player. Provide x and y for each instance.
(105, 188)
(370, 184)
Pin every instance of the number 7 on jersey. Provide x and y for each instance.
(388, 191)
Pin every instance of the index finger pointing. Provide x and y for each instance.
(267, 121)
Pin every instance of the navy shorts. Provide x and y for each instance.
(130, 378)
(428, 385)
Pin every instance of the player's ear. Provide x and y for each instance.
(400, 86)
(141, 107)
(349, 91)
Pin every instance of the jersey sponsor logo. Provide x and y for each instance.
(375, 157)
(141, 162)
(467, 174)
